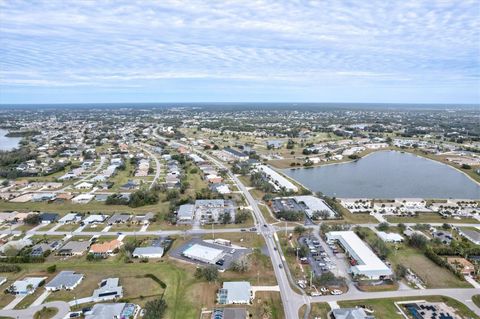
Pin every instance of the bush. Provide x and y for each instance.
(9, 268)
(51, 269)
(155, 309)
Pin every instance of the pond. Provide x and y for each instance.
(8, 143)
(388, 174)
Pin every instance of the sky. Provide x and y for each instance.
(407, 51)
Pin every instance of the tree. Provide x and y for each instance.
(209, 273)
(417, 241)
(383, 226)
(241, 217)
(51, 269)
(155, 309)
(32, 219)
(401, 271)
(299, 230)
(241, 265)
(401, 227)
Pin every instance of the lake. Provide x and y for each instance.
(388, 174)
(8, 143)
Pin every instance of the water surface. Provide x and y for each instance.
(388, 174)
(8, 143)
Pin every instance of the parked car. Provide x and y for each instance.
(336, 292)
(315, 294)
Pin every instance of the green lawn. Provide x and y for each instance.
(385, 308)
(432, 275)
(476, 300)
(426, 218)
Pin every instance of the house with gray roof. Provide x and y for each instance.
(185, 213)
(108, 289)
(148, 252)
(67, 280)
(119, 218)
(74, 248)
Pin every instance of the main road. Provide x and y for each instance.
(293, 301)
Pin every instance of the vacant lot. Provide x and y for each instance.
(434, 276)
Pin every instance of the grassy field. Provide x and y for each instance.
(429, 218)
(385, 308)
(433, 276)
(318, 310)
(476, 300)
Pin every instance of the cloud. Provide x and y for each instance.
(146, 43)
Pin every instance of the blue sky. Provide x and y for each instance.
(188, 51)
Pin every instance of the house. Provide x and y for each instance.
(350, 313)
(444, 236)
(70, 218)
(220, 188)
(74, 248)
(84, 185)
(15, 245)
(274, 144)
(143, 219)
(108, 289)
(26, 286)
(47, 218)
(39, 250)
(92, 219)
(83, 198)
(119, 218)
(462, 265)
(67, 280)
(390, 237)
(235, 292)
(148, 252)
(107, 248)
(112, 310)
(471, 234)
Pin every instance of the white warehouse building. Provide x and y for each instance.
(367, 263)
(204, 254)
(277, 179)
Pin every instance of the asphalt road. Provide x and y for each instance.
(157, 164)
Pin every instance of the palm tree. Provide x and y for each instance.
(266, 312)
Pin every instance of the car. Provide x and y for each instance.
(119, 233)
(315, 294)
(253, 229)
(220, 262)
(302, 285)
(336, 292)
(323, 289)
(264, 225)
(243, 229)
(275, 248)
(322, 264)
(232, 251)
(280, 266)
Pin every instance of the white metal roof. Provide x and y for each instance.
(366, 258)
(203, 253)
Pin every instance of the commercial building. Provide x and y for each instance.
(235, 292)
(112, 310)
(276, 179)
(350, 313)
(204, 254)
(312, 206)
(185, 213)
(364, 261)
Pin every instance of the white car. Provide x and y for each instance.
(315, 294)
(336, 292)
(323, 289)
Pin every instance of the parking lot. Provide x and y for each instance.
(229, 253)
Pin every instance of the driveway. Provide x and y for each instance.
(63, 310)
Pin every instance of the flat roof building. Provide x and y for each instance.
(235, 292)
(276, 179)
(366, 263)
(185, 213)
(148, 252)
(202, 253)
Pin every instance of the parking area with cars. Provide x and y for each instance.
(317, 257)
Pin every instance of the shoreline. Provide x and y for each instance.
(384, 150)
(388, 150)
